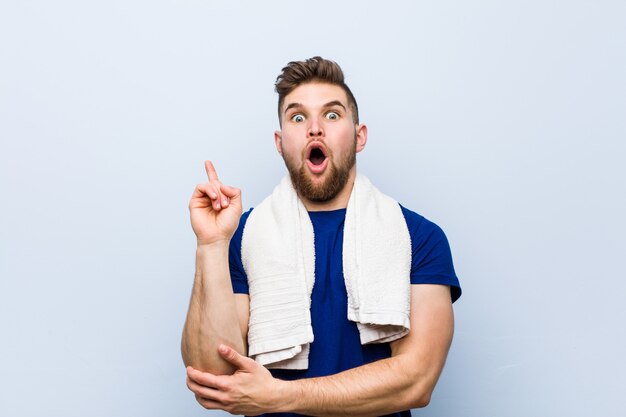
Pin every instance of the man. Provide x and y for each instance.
(333, 372)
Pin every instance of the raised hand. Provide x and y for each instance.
(215, 209)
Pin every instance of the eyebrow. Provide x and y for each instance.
(292, 106)
(329, 104)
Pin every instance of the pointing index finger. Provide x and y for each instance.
(210, 170)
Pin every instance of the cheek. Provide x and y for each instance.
(347, 135)
(288, 146)
(291, 148)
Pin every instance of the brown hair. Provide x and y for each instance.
(313, 69)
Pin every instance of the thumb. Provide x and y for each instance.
(230, 192)
(240, 361)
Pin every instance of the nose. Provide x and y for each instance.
(315, 130)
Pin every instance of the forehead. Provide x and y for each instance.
(315, 94)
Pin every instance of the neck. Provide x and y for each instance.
(338, 202)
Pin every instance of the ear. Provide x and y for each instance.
(361, 137)
(278, 135)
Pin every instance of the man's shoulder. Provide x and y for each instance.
(245, 216)
(420, 228)
(242, 223)
(411, 217)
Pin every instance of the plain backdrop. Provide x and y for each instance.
(503, 122)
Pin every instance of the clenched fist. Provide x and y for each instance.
(215, 209)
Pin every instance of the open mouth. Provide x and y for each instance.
(316, 155)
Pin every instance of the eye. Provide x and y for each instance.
(331, 115)
(297, 118)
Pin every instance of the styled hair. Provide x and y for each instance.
(316, 69)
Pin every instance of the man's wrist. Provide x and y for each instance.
(286, 396)
(216, 246)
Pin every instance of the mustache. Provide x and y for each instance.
(328, 153)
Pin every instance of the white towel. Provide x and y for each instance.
(278, 255)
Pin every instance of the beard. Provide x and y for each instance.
(336, 177)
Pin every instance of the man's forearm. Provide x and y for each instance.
(375, 389)
(405, 380)
(212, 317)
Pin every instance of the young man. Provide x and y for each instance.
(344, 295)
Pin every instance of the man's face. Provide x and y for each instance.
(319, 140)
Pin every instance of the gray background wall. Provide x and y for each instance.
(503, 122)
